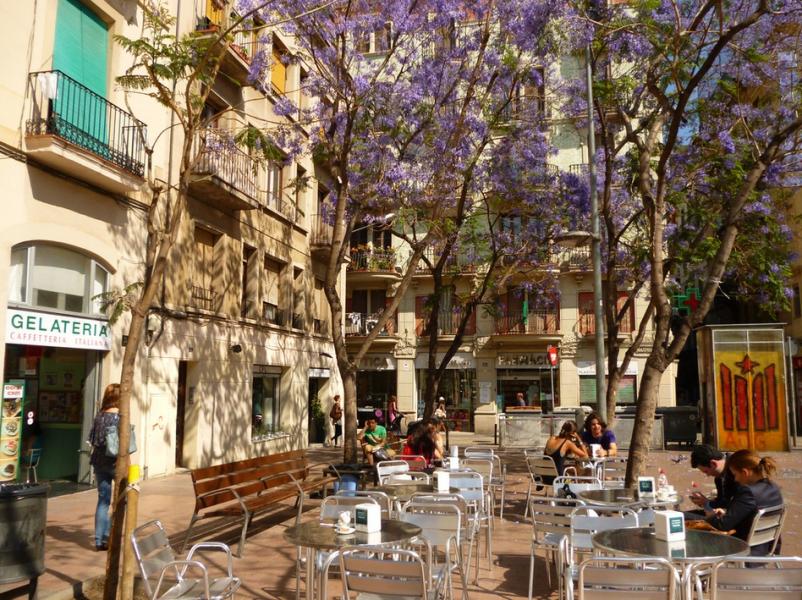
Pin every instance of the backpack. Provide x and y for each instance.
(336, 413)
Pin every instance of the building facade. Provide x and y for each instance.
(238, 353)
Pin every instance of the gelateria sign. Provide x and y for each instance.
(63, 331)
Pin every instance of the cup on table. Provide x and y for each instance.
(344, 520)
(595, 450)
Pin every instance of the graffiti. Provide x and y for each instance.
(738, 396)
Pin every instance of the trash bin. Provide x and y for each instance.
(680, 424)
(23, 516)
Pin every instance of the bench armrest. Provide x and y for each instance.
(267, 478)
(225, 490)
(214, 546)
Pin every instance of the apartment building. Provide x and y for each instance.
(238, 347)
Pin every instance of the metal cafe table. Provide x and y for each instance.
(402, 492)
(698, 547)
(315, 536)
(628, 497)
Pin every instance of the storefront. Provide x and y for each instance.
(457, 386)
(56, 349)
(376, 381)
(529, 373)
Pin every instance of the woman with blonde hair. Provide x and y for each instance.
(755, 490)
(103, 464)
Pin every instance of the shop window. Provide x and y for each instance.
(627, 390)
(266, 401)
(56, 278)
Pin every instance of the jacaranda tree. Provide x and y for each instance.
(699, 111)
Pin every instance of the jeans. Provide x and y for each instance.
(102, 522)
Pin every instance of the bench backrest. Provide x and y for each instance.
(247, 477)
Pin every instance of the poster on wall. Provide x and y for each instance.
(11, 428)
(61, 375)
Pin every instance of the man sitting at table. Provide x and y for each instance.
(713, 463)
(374, 442)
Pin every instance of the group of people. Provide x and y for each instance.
(571, 443)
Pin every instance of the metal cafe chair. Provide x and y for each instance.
(601, 578)
(31, 461)
(383, 573)
(778, 578)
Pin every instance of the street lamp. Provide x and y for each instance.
(576, 239)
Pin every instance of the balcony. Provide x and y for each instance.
(361, 324)
(285, 207)
(243, 46)
(321, 236)
(462, 261)
(272, 314)
(203, 298)
(579, 169)
(533, 322)
(223, 174)
(574, 259)
(447, 323)
(372, 264)
(78, 132)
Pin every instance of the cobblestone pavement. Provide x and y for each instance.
(267, 567)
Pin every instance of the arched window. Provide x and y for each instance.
(56, 278)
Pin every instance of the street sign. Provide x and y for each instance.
(551, 353)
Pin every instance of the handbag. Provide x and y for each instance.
(112, 439)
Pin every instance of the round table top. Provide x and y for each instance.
(611, 496)
(697, 546)
(314, 534)
(402, 492)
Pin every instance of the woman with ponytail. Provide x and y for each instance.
(755, 490)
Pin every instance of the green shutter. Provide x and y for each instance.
(587, 390)
(80, 51)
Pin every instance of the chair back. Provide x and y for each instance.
(409, 477)
(779, 579)
(483, 466)
(587, 520)
(479, 452)
(34, 456)
(636, 578)
(575, 484)
(386, 468)
(766, 527)
(332, 506)
(471, 487)
(381, 498)
(551, 517)
(416, 462)
(153, 552)
(614, 471)
(540, 467)
(440, 522)
(382, 572)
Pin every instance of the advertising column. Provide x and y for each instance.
(11, 429)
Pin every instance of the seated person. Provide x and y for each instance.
(755, 490)
(712, 463)
(595, 432)
(559, 446)
(425, 443)
(374, 438)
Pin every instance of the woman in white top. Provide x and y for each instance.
(440, 411)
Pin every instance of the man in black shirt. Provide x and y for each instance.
(712, 463)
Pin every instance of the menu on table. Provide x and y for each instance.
(11, 428)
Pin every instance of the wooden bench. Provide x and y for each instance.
(244, 488)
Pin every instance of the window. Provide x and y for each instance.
(249, 283)
(587, 317)
(271, 297)
(274, 185)
(301, 186)
(265, 401)
(376, 42)
(449, 317)
(320, 324)
(278, 70)
(627, 390)
(298, 298)
(57, 278)
(203, 294)
(797, 303)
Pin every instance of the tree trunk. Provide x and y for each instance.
(350, 446)
(613, 379)
(644, 419)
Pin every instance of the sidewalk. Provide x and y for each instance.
(267, 567)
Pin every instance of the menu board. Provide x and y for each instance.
(11, 428)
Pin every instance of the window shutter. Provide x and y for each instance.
(587, 321)
(420, 314)
(81, 45)
(278, 71)
(587, 390)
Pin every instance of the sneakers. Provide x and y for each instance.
(102, 547)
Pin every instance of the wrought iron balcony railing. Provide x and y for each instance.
(361, 324)
(203, 298)
(219, 156)
(63, 107)
(448, 321)
(531, 322)
(372, 260)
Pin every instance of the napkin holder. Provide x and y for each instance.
(646, 487)
(443, 481)
(367, 518)
(669, 525)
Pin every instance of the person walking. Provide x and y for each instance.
(103, 465)
(336, 416)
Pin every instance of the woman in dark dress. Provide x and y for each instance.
(754, 491)
(103, 464)
(560, 445)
